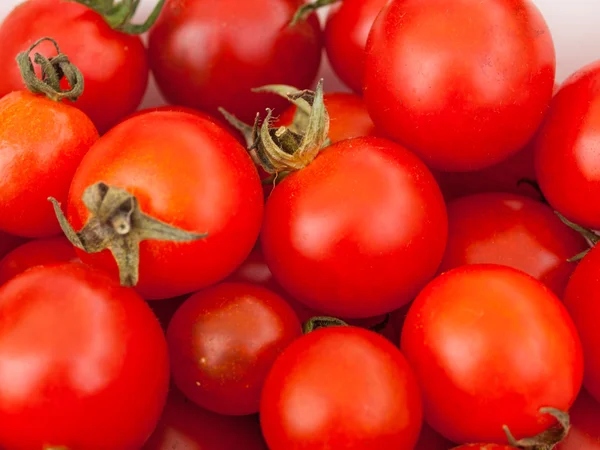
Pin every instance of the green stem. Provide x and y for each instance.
(305, 10)
(119, 14)
(314, 323)
(546, 440)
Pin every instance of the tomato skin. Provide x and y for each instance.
(329, 372)
(38, 252)
(462, 83)
(585, 425)
(55, 318)
(229, 379)
(43, 142)
(455, 338)
(249, 49)
(514, 231)
(198, 179)
(330, 232)
(119, 81)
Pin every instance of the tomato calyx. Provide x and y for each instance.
(119, 14)
(546, 440)
(53, 71)
(305, 10)
(117, 224)
(315, 323)
(589, 235)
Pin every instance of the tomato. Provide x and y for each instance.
(514, 231)
(223, 341)
(319, 389)
(8, 242)
(585, 425)
(254, 47)
(185, 426)
(336, 232)
(491, 346)
(83, 362)
(431, 440)
(462, 83)
(197, 179)
(43, 142)
(114, 64)
(38, 252)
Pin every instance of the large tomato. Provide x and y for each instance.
(514, 231)
(83, 362)
(358, 231)
(198, 179)
(491, 346)
(217, 51)
(463, 83)
(341, 387)
(584, 433)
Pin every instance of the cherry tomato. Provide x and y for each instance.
(252, 47)
(8, 243)
(198, 179)
(341, 387)
(38, 252)
(223, 341)
(43, 142)
(185, 426)
(491, 346)
(336, 232)
(514, 231)
(585, 425)
(114, 64)
(463, 83)
(83, 362)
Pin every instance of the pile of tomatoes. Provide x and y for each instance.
(262, 263)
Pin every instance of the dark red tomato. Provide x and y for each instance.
(490, 346)
(336, 232)
(463, 83)
(320, 388)
(185, 426)
(38, 252)
(223, 342)
(114, 64)
(251, 48)
(43, 142)
(514, 231)
(84, 362)
(567, 148)
(8, 243)
(198, 178)
(431, 440)
(585, 425)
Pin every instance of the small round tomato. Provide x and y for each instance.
(84, 362)
(319, 389)
(514, 231)
(584, 433)
(462, 83)
(9, 242)
(336, 232)
(491, 346)
(244, 45)
(223, 341)
(38, 252)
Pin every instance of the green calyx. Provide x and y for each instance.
(546, 440)
(589, 235)
(119, 14)
(305, 10)
(315, 323)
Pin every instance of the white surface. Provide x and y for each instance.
(573, 24)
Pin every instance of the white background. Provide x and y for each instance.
(574, 26)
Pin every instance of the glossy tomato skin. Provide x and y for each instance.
(463, 83)
(491, 346)
(73, 344)
(319, 388)
(256, 325)
(121, 78)
(584, 433)
(188, 172)
(43, 142)
(251, 48)
(37, 252)
(515, 231)
(336, 232)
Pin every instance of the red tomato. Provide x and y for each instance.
(585, 425)
(43, 142)
(491, 346)
(8, 242)
(252, 47)
(114, 64)
(463, 83)
(36, 253)
(223, 342)
(83, 362)
(336, 232)
(514, 231)
(320, 388)
(184, 426)
(198, 178)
